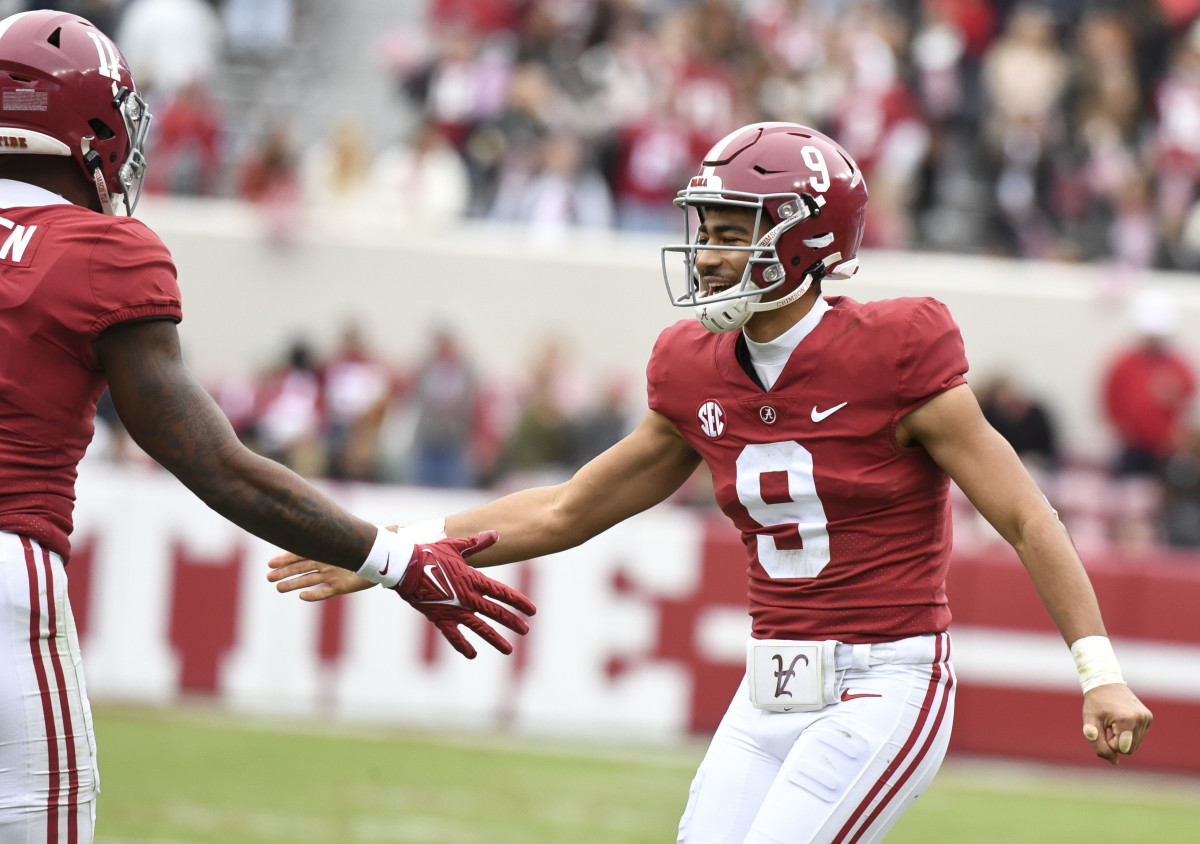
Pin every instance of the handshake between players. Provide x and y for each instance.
(436, 580)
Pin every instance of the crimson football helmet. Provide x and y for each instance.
(809, 199)
(65, 89)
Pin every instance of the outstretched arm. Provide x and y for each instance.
(638, 472)
(171, 417)
(953, 431)
(176, 422)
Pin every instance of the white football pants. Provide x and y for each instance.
(841, 775)
(48, 777)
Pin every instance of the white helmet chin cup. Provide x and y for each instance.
(728, 315)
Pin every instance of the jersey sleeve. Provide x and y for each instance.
(132, 277)
(932, 358)
(656, 370)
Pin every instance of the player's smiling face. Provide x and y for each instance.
(719, 269)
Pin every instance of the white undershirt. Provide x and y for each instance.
(769, 358)
(14, 194)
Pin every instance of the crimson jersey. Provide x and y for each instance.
(847, 532)
(66, 274)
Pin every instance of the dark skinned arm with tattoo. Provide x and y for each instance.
(174, 420)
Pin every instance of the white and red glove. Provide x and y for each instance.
(438, 582)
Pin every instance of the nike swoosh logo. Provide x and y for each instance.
(847, 696)
(818, 415)
(386, 564)
(444, 587)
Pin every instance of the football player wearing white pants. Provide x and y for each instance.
(88, 300)
(832, 429)
(45, 720)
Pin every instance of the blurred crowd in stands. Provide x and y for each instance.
(437, 422)
(1061, 129)
(1051, 129)
(434, 422)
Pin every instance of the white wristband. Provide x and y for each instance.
(389, 556)
(1096, 663)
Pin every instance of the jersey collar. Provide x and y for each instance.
(781, 348)
(14, 194)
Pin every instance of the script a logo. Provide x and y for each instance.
(712, 419)
(783, 677)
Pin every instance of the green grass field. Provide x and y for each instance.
(189, 776)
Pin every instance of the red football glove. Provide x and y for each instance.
(439, 584)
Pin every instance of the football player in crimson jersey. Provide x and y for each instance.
(832, 429)
(89, 299)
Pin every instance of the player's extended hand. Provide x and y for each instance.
(320, 581)
(1114, 721)
(439, 583)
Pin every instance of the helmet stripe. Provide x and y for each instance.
(10, 20)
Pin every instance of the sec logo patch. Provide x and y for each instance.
(712, 419)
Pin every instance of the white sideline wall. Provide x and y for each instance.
(505, 290)
(639, 633)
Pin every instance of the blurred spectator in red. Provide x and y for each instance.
(290, 413)
(443, 401)
(422, 183)
(187, 146)
(1149, 388)
(357, 386)
(695, 44)
(1179, 13)
(270, 180)
(485, 17)
(655, 158)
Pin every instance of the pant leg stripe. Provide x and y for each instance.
(39, 667)
(64, 705)
(927, 707)
(916, 761)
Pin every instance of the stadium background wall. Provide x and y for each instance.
(172, 605)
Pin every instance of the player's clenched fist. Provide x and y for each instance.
(440, 584)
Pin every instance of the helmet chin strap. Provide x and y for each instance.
(102, 192)
(783, 302)
(92, 159)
